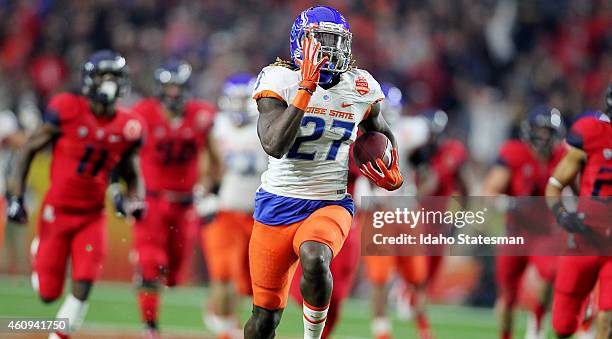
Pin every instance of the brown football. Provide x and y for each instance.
(370, 146)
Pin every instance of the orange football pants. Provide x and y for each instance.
(274, 251)
(225, 243)
(412, 269)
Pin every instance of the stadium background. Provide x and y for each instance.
(485, 62)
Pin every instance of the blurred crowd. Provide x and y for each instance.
(483, 61)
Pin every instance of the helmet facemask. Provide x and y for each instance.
(335, 44)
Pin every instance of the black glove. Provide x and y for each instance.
(570, 221)
(16, 211)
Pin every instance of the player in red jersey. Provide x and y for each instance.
(90, 137)
(522, 169)
(439, 166)
(590, 155)
(178, 138)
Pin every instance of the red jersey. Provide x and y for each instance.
(85, 152)
(170, 154)
(528, 174)
(594, 136)
(450, 156)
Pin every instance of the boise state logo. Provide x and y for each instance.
(296, 35)
(132, 130)
(361, 85)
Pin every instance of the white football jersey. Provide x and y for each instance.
(244, 161)
(316, 166)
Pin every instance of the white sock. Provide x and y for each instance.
(314, 321)
(381, 326)
(74, 310)
(219, 324)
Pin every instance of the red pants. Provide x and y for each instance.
(61, 233)
(164, 239)
(576, 279)
(510, 269)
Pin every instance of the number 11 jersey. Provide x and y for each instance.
(86, 150)
(316, 166)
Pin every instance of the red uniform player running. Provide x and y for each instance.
(522, 169)
(177, 137)
(590, 155)
(90, 137)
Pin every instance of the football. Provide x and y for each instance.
(371, 146)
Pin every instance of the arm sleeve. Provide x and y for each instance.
(60, 109)
(579, 132)
(507, 155)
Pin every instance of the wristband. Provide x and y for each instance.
(301, 99)
(554, 182)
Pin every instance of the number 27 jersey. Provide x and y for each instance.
(85, 152)
(316, 165)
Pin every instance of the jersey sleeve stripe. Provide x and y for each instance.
(268, 94)
(574, 139)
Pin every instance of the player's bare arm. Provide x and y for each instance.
(129, 170)
(376, 123)
(38, 140)
(211, 169)
(277, 126)
(496, 181)
(16, 183)
(564, 175)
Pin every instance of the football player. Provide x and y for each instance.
(309, 111)
(590, 155)
(90, 136)
(178, 138)
(522, 169)
(11, 139)
(225, 241)
(412, 270)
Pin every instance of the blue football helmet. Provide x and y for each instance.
(331, 29)
(391, 107)
(236, 100)
(172, 80)
(173, 71)
(542, 127)
(96, 86)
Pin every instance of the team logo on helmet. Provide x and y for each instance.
(361, 85)
(132, 130)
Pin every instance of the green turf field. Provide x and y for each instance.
(113, 307)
